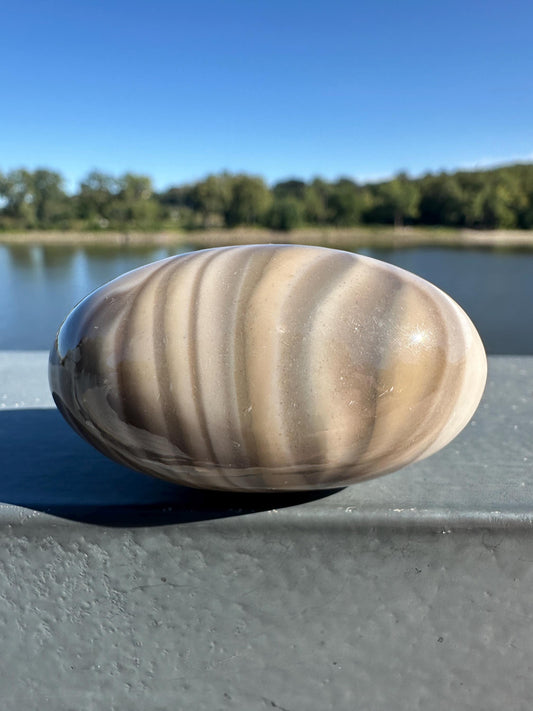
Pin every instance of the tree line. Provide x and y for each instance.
(480, 199)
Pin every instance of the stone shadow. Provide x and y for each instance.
(47, 467)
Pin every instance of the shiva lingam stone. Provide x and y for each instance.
(267, 367)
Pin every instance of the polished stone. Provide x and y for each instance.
(268, 367)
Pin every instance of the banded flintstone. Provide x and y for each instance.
(267, 367)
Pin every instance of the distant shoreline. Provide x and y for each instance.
(343, 238)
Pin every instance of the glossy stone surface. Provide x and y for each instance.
(267, 367)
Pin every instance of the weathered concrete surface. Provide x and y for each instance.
(408, 592)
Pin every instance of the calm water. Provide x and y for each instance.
(39, 286)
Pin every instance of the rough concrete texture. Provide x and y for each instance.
(408, 592)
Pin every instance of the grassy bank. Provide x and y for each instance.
(347, 238)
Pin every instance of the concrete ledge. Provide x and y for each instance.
(119, 591)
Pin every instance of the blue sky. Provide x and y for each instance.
(280, 88)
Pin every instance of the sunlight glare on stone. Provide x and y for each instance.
(418, 337)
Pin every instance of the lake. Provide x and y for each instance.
(40, 284)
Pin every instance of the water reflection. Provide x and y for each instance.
(39, 285)
(21, 256)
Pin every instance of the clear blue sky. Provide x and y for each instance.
(279, 88)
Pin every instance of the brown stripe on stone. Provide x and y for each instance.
(214, 337)
(184, 419)
(194, 356)
(301, 419)
(264, 331)
(258, 262)
(79, 364)
(352, 341)
(241, 274)
(174, 425)
(103, 327)
(454, 376)
(83, 339)
(129, 370)
(416, 367)
(91, 390)
(449, 377)
(214, 343)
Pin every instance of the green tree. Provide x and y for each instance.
(50, 203)
(497, 198)
(176, 205)
(95, 198)
(346, 203)
(250, 201)
(494, 206)
(524, 175)
(133, 205)
(17, 192)
(292, 188)
(441, 201)
(316, 199)
(397, 200)
(211, 198)
(285, 214)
